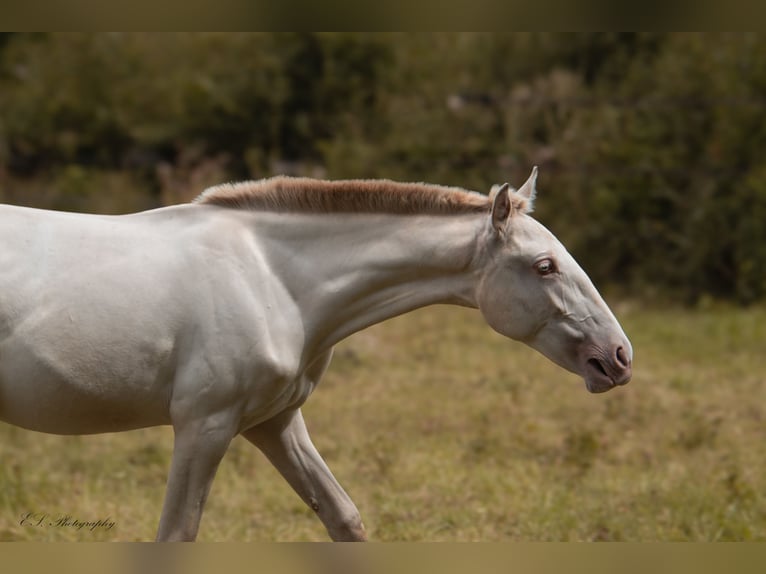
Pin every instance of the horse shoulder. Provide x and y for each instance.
(242, 332)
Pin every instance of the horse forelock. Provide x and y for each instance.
(295, 194)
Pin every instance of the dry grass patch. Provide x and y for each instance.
(442, 430)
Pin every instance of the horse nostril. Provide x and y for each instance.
(622, 358)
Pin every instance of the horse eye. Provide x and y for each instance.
(545, 266)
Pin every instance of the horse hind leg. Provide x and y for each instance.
(286, 443)
(198, 448)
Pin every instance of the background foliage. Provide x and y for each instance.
(651, 146)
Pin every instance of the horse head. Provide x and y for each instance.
(532, 290)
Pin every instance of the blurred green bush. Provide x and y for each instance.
(651, 146)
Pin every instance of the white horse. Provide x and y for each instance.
(219, 317)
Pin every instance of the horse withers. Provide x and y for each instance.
(219, 317)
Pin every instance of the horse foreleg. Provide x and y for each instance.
(286, 442)
(198, 449)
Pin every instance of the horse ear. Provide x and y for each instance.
(501, 205)
(529, 190)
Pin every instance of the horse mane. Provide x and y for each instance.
(306, 195)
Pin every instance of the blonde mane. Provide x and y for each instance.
(298, 194)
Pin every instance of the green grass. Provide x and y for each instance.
(442, 430)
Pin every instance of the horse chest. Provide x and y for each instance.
(282, 390)
(267, 399)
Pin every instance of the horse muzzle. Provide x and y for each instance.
(608, 367)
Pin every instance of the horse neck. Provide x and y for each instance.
(347, 272)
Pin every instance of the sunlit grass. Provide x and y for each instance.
(442, 430)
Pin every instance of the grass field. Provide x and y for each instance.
(442, 430)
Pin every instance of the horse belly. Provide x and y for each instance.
(72, 387)
(69, 412)
(87, 324)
